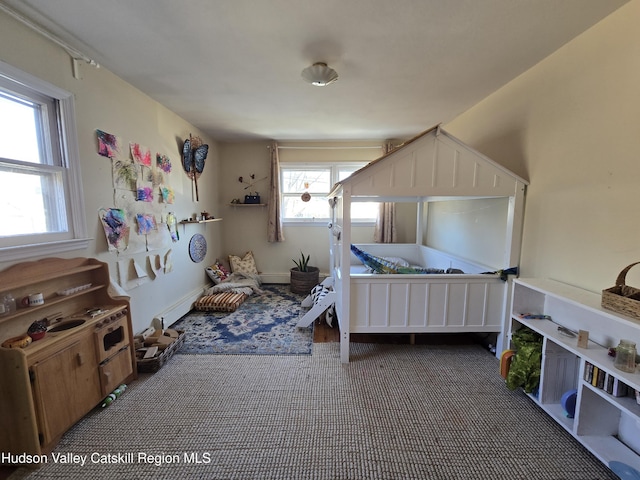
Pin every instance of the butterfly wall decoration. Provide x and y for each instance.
(194, 153)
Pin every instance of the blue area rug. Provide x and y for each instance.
(263, 325)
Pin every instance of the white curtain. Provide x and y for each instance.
(274, 229)
(385, 231)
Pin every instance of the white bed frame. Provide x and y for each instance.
(433, 166)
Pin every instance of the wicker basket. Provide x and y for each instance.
(152, 365)
(622, 298)
(303, 282)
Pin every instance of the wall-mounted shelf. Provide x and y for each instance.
(247, 204)
(184, 222)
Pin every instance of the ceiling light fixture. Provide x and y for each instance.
(319, 74)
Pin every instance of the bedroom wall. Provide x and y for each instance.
(245, 228)
(482, 220)
(570, 126)
(105, 101)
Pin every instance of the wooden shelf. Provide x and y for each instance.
(20, 311)
(247, 204)
(23, 282)
(185, 222)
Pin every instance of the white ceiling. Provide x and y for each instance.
(232, 67)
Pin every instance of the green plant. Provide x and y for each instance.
(303, 262)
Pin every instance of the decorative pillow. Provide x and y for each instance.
(245, 264)
(217, 272)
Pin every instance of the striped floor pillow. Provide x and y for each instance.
(220, 302)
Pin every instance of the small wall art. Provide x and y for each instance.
(116, 229)
(108, 144)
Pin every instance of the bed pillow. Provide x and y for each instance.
(245, 264)
(397, 261)
(217, 272)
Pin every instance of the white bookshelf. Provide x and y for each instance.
(606, 425)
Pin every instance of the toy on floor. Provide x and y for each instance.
(113, 396)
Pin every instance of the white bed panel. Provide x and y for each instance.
(424, 303)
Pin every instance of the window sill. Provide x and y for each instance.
(324, 223)
(21, 252)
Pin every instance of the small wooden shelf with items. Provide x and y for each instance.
(606, 418)
(209, 220)
(81, 350)
(247, 204)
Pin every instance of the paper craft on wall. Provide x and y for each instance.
(125, 175)
(108, 144)
(159, 239)
(163, 162)
(167, 194)
(131, 274)
(116, 229)
(140, 154)
(168, 262)
(172, 225)
(156, 264)
(144, 194)
(146, 223)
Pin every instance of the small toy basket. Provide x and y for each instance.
(152, 365)
(622, 298)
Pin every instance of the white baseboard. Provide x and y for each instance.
(282, 277)
(275, 277)
(183, 306)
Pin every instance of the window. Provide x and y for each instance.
(40, 194)
(317, 180)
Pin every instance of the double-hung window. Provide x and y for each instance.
(304, 191)
(41, 208)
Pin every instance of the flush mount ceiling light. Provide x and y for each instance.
(319, 74)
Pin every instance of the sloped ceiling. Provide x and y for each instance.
(232, 67)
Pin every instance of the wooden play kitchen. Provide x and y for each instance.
(60, 356)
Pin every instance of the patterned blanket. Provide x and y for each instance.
(238, 283)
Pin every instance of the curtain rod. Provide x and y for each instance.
(284, 147)
(75, 53)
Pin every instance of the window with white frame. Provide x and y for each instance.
(317, 180)
(40, 192)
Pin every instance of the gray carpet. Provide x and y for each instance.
(394, 412)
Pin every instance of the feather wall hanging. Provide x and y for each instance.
(194, 153)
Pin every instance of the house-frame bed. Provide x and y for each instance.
(434, 166)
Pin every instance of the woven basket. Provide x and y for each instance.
(622, 298)
(152, 365)
(303, 282)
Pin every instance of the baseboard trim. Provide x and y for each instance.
(283, 277)
(183, 306)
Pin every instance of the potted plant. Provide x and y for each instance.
(303, 276)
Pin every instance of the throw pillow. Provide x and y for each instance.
(245, 264)
(217, 272)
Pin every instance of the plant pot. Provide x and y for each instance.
(303, 282)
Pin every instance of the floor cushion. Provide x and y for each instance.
(220, 302)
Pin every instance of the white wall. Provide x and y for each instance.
(482, 220)
(245, 228)
(104, 101)
(570, 125)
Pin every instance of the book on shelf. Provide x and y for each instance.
(619, 388)
(588, 372)
(594, 378)
(600, 380)
(608, 383)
